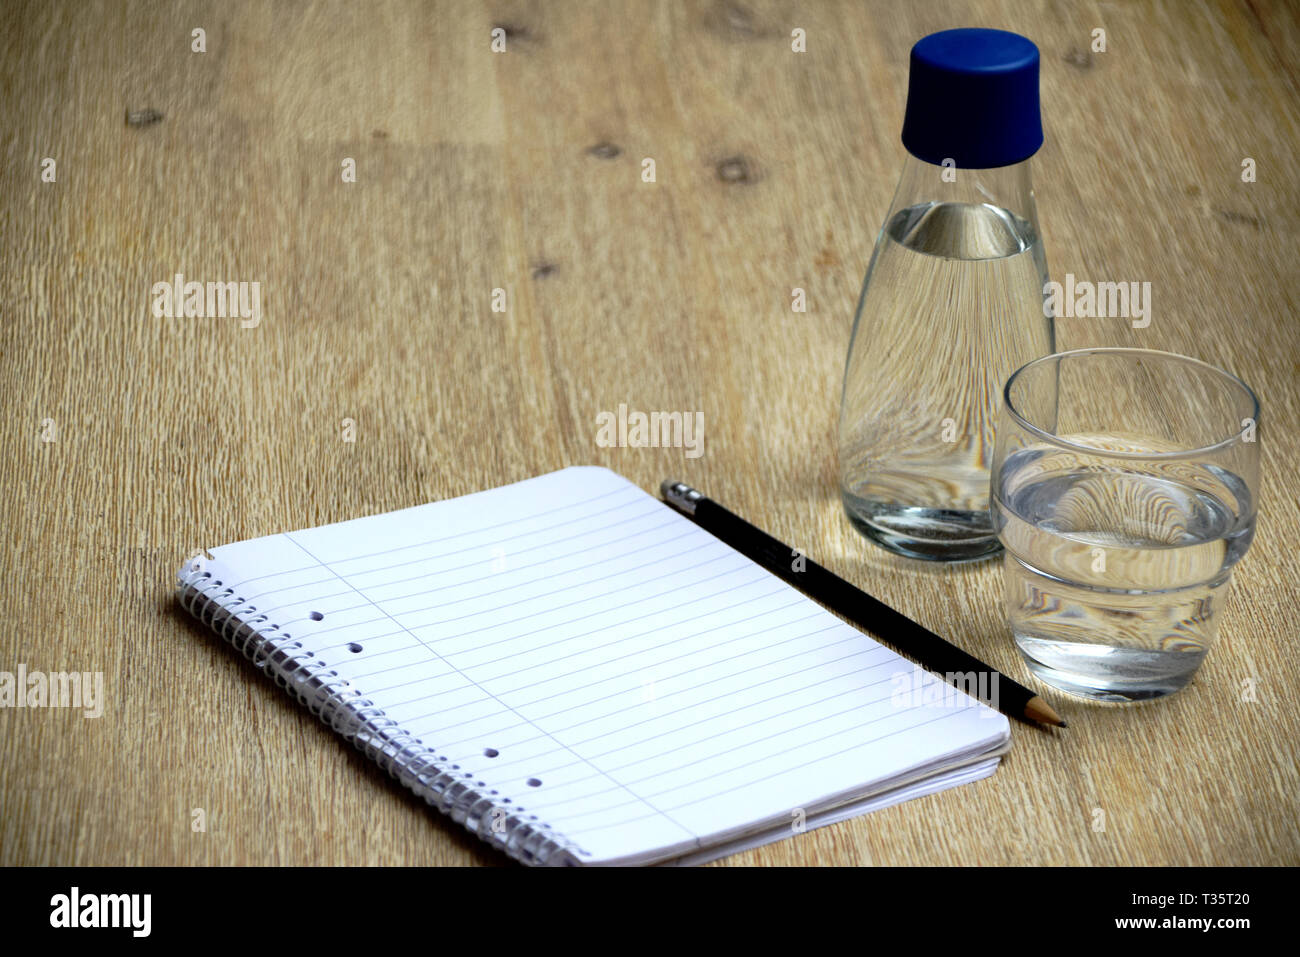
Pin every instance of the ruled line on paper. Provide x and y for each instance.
(514, 522)
(485, 692)
(278, 609)
(514, 539)
(794, 767)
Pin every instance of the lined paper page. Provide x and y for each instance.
(604, 664)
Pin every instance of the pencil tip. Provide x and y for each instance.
(1039, 710)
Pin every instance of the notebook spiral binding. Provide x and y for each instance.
(346, 710)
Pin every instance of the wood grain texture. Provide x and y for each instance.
(521, 171)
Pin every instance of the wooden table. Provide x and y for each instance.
(131, 441)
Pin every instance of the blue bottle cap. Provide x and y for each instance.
(972, 97)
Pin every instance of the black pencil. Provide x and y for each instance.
(890, 626)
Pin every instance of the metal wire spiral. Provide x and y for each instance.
(347, 711)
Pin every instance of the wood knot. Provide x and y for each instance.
(515, 31)
(1079, 58)
(145, 117)
(1237, 218)
(735, 169)
(605, 150)
(379, 134)
(826, 259)
(732, 20)
(544, 269)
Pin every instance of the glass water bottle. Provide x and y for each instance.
(953, 301)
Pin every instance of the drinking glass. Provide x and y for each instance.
(1124, 489)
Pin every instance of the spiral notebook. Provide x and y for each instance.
(579, 674)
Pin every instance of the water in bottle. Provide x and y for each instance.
(953, 301)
